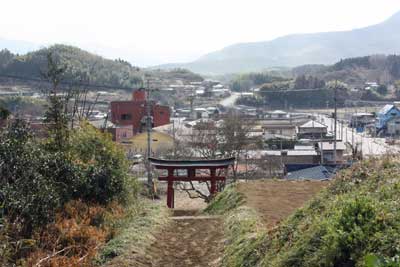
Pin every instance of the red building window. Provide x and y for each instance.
(126, 117)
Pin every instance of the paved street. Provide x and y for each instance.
(371, 146)
(230, 100)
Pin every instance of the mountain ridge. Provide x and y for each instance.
(299, 49)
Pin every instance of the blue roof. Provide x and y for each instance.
(313, 173)
(386, 109)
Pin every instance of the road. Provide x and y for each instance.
(230, 100)
(371, 146)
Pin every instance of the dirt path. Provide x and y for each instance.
(188, 242)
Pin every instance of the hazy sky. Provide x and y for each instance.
(158, 31)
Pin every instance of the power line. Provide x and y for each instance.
(88, 85)
(292, 90)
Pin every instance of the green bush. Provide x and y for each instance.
(38, 180)
(30, 197)
(372, 260)
(102, 163)
(356, 218)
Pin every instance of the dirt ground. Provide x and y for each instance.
(275, 200)
(195, 240)
(189, 242)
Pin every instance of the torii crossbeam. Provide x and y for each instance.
(190, 166)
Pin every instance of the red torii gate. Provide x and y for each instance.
(190, 166)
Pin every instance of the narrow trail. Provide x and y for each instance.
(189, 241)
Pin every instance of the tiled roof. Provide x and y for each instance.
(314, 173)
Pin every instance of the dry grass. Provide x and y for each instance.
(275, 200)
(75, 236)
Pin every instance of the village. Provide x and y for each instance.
(290, 144)
(286, 144)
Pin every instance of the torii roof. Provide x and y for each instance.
(183, 164)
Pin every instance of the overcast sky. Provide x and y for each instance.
(148, 32)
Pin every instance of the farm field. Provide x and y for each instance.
(274, 200)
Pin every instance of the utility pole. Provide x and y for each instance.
(335, 125)
(174, 137)
(322, 150)
(148, 128)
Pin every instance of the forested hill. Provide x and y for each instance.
(83, 66)
(356, 71)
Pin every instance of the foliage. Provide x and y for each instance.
(102, 163)
(4, 113)
(310, 82)
(356, 216)
(81, 66)
(382, 89)
(352, 62)
(246, 81)
(227, 200)
(30, 194)
(370, 95)
(372, 260)
(38, 181)
(23, 105)
(134, 231)
(74, 237)
(177, 73)
(245, 236)
(276, 86)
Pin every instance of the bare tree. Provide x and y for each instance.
(67, 102)
(219, 139)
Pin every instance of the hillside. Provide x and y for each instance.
(300, 49)
(356, 71)
(353, 222)
(84, 67)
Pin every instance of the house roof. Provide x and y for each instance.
(313, 173)
(302, 153)
(312, 124)
(278, 112)
(304, 147)
(279, 126)
(386, 109)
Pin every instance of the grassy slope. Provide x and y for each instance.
(135, 232)
(357, 215)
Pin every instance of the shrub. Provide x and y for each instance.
(30, 197)
(102, 163)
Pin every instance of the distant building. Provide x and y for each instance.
(277, 114)
(362, 119)
(393, 126)
(327, 148)
(133, 112)
(387, 113)
(312, 130)
(283, 130)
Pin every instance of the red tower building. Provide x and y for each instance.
(133, 112)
